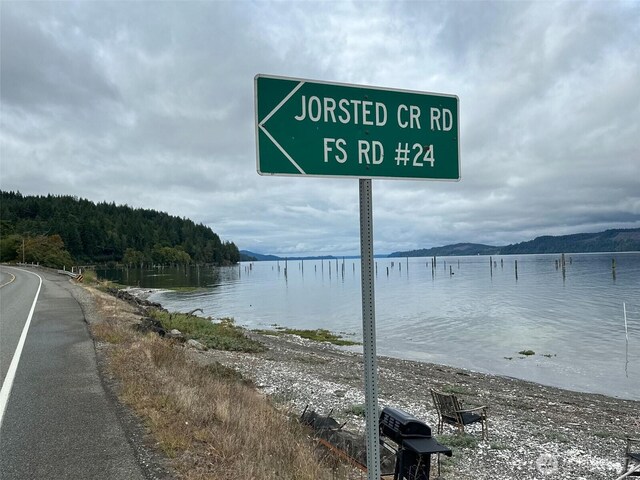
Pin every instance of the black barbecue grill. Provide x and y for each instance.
(414, 444)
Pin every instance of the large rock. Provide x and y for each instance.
(149, 324)
(196, 344)
(132, 299)
(175, 334)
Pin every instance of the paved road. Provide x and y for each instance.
(59, 423)
(16, 297)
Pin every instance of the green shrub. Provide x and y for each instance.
(356, 409)
(555, 436)
(319, 335)
(527, 352)
(456, 390)
(220, 336)
(458, 441)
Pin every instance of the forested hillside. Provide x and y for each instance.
(615, 240)
(457, 249)
(58, 230)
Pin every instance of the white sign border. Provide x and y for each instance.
(258, 127)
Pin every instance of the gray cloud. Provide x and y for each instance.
(151, 104)
(44, 68)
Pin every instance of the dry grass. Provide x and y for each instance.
(110, 331)
(211, 424)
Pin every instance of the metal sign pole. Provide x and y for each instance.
(369, 331)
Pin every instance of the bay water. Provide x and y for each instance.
(473, 312)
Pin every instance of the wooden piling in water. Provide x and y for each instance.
(516, 269)
(613, 268)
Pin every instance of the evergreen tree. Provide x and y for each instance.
(107, 232)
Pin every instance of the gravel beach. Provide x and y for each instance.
(535, 431)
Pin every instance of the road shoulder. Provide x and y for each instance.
(153, 463)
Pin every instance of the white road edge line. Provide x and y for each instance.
(12, 279)
(11, 373)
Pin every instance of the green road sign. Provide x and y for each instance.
(314, 128)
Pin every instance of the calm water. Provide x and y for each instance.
(462, 313)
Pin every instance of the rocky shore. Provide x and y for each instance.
(535, 431)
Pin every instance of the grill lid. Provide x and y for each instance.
(398, 424)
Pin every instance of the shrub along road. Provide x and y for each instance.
(59, 422)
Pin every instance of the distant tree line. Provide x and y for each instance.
(614, 240)
(63, 230)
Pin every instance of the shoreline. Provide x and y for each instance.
(511, 377)
(583, 432)
(146, 293)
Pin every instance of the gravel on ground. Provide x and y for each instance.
(535, 431)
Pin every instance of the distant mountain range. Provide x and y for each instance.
(247, 256)
(615, 240)
(450, 250)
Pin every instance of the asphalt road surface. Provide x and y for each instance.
(16, 297)
(58, 421)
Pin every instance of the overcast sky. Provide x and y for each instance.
(152, 105)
